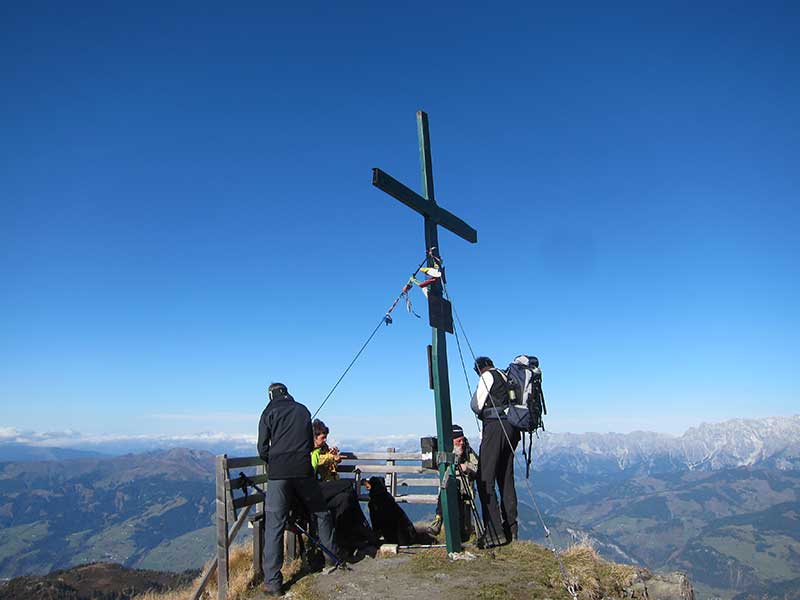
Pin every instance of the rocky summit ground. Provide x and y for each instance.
(521, 570)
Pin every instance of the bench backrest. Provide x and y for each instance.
(402, 471)
(405, 477)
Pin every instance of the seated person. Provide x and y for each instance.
(323, 458)
(467, 463)
(352, 532)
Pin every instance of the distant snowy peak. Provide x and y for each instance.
(774, 441)
(740, 442)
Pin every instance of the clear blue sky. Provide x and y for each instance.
(187, 211)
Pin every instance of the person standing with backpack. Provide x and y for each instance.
(496, 456)
(285, 442)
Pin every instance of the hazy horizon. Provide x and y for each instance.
(114, 443)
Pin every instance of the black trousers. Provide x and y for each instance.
(496, 467)
(281, 494)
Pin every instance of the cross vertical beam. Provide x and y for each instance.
(441, 377)
(434, 216)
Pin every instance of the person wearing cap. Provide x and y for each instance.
(467, 463)
(285, 443)
(496, 464)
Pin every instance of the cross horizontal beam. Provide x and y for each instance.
(387, 183)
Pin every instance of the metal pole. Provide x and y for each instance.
(441, 381)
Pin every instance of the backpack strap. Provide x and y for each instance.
(527, 456)
(541, 395)
(491, 401)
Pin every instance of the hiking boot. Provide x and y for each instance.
(488, 541)
(271, 592)
(332, 567)
(511, 532)
(436, 525)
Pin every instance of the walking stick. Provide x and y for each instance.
(466, 484)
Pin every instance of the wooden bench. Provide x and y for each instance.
(398, 469)
(402, 471)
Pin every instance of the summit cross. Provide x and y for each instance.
(440, 315)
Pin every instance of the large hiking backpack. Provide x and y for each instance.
(525, 413)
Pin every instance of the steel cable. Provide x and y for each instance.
(570, 587)
(384, 319)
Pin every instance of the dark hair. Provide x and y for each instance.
(277, 390)
(320, 428)
(482, 362)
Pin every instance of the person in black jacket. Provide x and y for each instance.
(496, 458)
(285, 442)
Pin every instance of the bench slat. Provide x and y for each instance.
(410, 499)
(428, 482)
(247, 500)
(381, 455)
(418, 498)
(247, 461)
(382, 469)
(236, 483)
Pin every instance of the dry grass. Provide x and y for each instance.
(593, 576)
(240, 581)
(528, 566)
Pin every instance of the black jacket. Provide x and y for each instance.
(286, 439)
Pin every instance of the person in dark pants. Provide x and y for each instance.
(496, 456)
(285, 442)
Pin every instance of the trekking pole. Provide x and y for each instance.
(314, 540)
(465, 482)
(320, 545)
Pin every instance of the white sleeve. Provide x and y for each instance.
(482, 392)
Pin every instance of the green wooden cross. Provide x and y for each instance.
(435, 215)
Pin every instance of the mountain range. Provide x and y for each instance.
(721, 502)
(737, 442)
(773, 442)
(151, 510)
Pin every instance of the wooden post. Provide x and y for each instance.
(291, 549)
(391, 478)
(212, 565)
(222, 528)
(258, 533)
